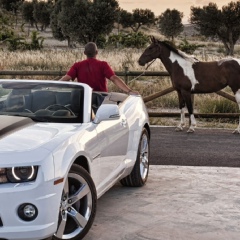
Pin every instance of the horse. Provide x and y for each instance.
(191, 76)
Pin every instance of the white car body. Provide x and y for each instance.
(105, 145)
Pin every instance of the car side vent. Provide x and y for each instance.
(1, 223)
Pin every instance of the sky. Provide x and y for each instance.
(160, 6)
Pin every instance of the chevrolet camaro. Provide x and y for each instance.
(62, 146)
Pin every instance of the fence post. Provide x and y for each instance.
(126, 74)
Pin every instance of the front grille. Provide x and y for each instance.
(1, 223)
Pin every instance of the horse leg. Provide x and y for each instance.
(181, 107)
(237, 97)
(189, 98)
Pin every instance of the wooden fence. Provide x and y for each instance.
(126, 74)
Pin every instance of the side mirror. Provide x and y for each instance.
(106, 112)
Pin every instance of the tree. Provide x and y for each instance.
(83, 20)
(27, 12)
(103, 15)
(11, 5)
(136, 19)
(170, 23)
(125, 19)
(54, 23)
(221, 24)
(6, 29)
(41, 13)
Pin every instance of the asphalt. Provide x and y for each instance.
(192, 192)
(205, 147)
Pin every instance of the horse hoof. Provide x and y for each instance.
(236, 131)
(190, 130)
(178, 129)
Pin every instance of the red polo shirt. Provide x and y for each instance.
(92, 72)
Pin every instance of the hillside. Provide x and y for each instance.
(49, 41)
(209, 48)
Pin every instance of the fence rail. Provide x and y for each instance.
(61, 72)
(126, 74)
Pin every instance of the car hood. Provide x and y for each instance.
(20, 134)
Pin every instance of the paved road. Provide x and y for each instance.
(177, 203)
(205, 147)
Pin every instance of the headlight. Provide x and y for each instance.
(18, 174)
(3, 177)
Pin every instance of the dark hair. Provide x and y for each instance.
(90, 49)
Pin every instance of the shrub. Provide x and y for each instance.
(186, 47)
(36, 41)
(135, 40)
(20, 43)
(115, 40)
(131, 40)
(217, 105)
(15, 43)
(5, 34)
(101, 41)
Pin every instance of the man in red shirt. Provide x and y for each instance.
(95, 72)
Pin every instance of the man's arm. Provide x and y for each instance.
(122, 85)
(65, 78)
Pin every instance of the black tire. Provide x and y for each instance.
(139, 174)
(78, 205)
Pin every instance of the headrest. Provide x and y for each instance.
(76, 100)
(15, 103)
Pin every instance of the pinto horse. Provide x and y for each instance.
(190, 76)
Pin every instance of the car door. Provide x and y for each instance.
(113, 138)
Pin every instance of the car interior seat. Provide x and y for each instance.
(97, 100)
(75, 104)
(15, 103)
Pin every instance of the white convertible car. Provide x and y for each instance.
(61, 147)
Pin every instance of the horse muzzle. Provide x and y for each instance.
(141, 63)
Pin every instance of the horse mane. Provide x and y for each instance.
(180, 53)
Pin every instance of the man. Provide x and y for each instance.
(95, 72)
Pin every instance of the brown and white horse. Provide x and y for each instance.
(190, 76)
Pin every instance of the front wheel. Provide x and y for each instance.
(139, 174)
(78, 205)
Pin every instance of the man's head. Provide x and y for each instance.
(91, 50)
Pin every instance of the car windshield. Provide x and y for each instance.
(42, 101)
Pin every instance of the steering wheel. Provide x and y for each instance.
(27, 110)
(55, 107)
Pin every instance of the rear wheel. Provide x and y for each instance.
(139, 174)
(78, 205)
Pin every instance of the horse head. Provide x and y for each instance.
(151, 52)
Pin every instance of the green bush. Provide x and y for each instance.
(219, 105)
(135, 40)
(15, 43)
(101, 41)
(186, 47)
(19, 43)
(115, 40)
(131, 40)
(5, 34)
(36, 41)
